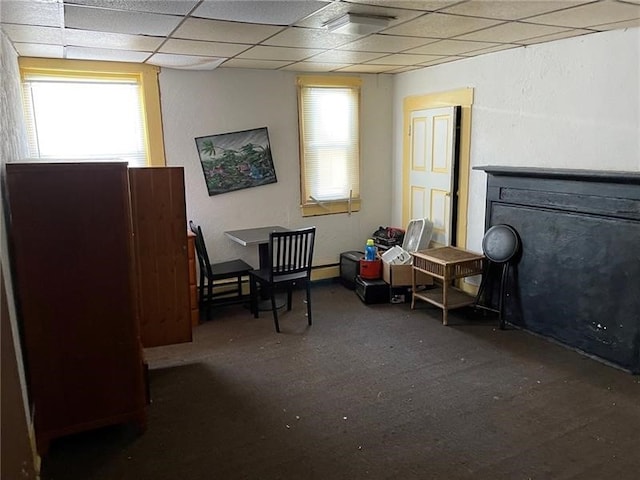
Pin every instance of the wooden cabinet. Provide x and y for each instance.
(161, 255)
(70, 233)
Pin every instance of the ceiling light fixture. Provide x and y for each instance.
(356, 24)
(185, 62)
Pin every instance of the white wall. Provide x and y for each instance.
(197, 104)
(571, 103)
(17, 458)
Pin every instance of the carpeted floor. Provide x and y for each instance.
(369, 391)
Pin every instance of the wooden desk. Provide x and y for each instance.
(256, 236)
(445, 264)
(259, 236)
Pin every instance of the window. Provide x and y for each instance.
(329, 111)
(92, 111)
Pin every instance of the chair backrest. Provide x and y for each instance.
(201, 249)
(500, 243)
(291, 253)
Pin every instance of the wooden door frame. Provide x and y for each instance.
(463, 98)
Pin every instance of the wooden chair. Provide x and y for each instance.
(290, 256)
(210, 273)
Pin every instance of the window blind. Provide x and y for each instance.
(84, 119)
(330, 142)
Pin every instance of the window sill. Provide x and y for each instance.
(330, 208)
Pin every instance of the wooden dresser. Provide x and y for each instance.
(193, 287)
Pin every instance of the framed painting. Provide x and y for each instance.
(236, 160)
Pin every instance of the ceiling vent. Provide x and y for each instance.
(356, 24)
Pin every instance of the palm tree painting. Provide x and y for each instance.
(236, 160)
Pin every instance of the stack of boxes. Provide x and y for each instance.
(390, 278)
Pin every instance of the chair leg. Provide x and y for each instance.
(503, 283)
(289, 296)
(253, 294)
(239, 286)
(483, 283)
(308, 285)
(209, 297)
(274, 309)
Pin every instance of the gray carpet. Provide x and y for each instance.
(369, 391)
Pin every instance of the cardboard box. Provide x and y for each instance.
(400, 275)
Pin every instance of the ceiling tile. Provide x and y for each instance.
(338, 9)
(344, 56)
(385, 43)
(424, 6)
(598, 13)
(184, 62)
(120, 41)
(619, 25)
(262, 12)
(367, 68)
(404, 59)
(442, 60)
(39, 50)
(259, 64)
(438, 25)
(104, 20)
(219, 31)
(86, 53)
(510, 9)
(406, 69)
(279, 53)
(32, 34)
(170, 7)
(197, 47)
(451, 47)
(426, 32)
(309, 38)
(314, 67)
(498, 48)
(511, 32)
(557, 36)
(42, 13)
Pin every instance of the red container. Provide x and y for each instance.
(371, 269)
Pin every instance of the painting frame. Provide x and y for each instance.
(236, 160)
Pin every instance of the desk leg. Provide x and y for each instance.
(263, 255)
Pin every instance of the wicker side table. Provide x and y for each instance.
(445, 264)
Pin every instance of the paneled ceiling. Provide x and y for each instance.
(291, 35)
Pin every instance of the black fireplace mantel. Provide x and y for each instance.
(578, 279)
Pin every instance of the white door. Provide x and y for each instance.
(431, 170)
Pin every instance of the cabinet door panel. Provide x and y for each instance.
(160, 244)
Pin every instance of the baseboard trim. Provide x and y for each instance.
(325, 272)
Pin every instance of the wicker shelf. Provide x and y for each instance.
(446, 264)
(455, 297)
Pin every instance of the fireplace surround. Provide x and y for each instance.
(578, 278)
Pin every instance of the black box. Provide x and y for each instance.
(372, 291)
(350, 268)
